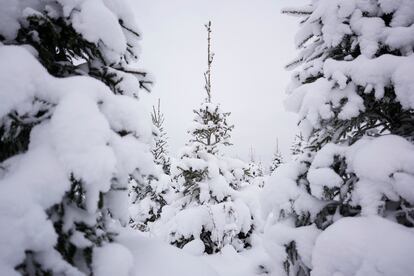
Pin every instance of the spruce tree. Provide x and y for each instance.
(160, 145)
(150, 193)
(255, 166)
(207, 182)
(298, 145)
(71, 130)
(351, 93)
(255, 171)
(277, 159)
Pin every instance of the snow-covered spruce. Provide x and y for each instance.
(277, 160)
(255, 169)
(160, 143)
(72, 136)
(255, 174)
(298, 145)
(207, 213)
(208, 207)
(354, 95)
(150, 193)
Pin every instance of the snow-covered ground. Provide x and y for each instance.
(149, 249)
(248, 263)
(363, 246)
(154, 257)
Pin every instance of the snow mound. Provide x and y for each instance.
(155, 258)
(195, 247)
(364, 246)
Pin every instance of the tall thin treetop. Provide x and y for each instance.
(157, 116)
(210, 56)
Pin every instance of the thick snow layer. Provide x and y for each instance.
(392, 173)
(392, 154)
(250, 195)
(189, 222)
(403, 11)
(335, 14)
(369, 31)
(378, 73)
(224, 220)
(88, 148)
(280, 235)
(314, 101)
(360, 23)
(364, 246)
(282, 196)
(323, 177)
(195, 247)
(97, 21)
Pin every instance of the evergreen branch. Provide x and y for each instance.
(121, 22)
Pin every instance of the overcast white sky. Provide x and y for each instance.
(252, 42)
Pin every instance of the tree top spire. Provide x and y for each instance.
(157, 116)
(210, 56)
